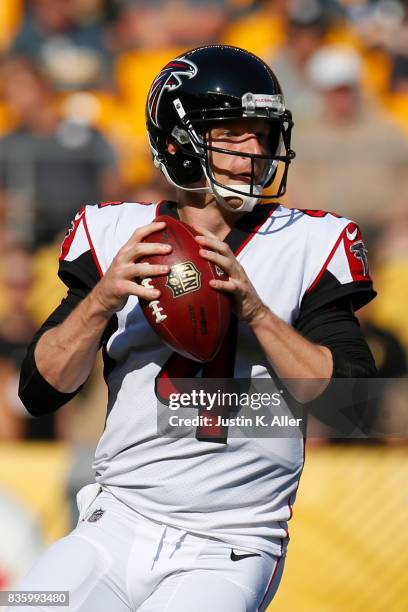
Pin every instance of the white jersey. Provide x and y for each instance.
(242, 491)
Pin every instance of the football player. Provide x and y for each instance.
(180, 523)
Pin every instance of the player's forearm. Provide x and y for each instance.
(293, 357)
(65, 354)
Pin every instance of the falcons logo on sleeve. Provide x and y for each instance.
(169, 78)
(359, 251)
(356, 252)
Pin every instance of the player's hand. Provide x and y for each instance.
(119, 282)
(247, 304)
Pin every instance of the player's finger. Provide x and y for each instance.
(213, 243)
(230, 285)
(136, 250)
(145, 292)
(141, 270)
(223, 262)
(203, 231)
(146, 230)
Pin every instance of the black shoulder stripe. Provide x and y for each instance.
(82, 268)
(329, 289)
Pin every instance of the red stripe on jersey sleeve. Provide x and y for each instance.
(94, 255)
(70, 235)
(326, 263)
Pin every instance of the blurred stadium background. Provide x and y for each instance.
(74, 78)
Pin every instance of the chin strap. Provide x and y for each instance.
(248, 201)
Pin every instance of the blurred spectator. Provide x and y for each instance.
(49, 166)
(144, 37)
(16, 283)
(67, 39)
(378, 27)
(16, 331)
(399, 75)
(378, 23)
(391, 362)
(264, 30)
(10, 17)
(397, 44)
(390, 309)
(306, 31)
(48, 290)
(167, 23)
(21, 280)
(158, 188)
(351, 159)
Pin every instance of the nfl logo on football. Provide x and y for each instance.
(184, 278)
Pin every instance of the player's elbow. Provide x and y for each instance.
(31, 401)
(35, 392)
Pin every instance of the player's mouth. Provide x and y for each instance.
(245, 178)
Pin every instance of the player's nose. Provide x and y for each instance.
(253, 145)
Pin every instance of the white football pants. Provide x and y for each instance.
(115, 560)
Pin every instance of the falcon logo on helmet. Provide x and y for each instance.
(169, 78)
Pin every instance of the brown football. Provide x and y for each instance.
(190, 316)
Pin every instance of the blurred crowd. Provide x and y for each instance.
(74, 79)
